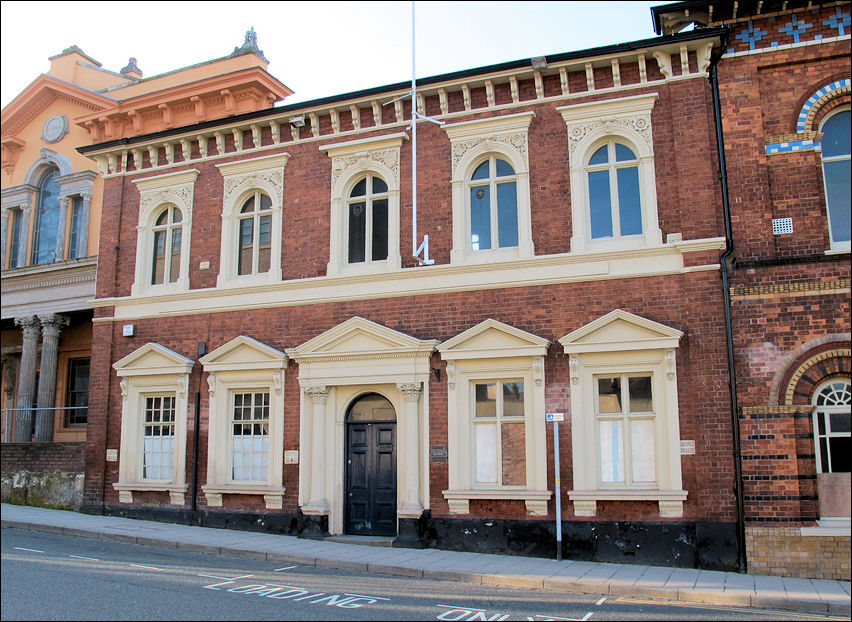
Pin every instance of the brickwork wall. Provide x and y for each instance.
(783, 551)
(42, 457)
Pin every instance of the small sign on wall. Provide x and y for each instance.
(291, 456)
(112, 455)
(687, 448)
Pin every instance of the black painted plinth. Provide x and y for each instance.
(314, 527)
(411, 533)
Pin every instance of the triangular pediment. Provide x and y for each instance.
(492, 338)
(243, 353)
(357, 336)
(620, 330)
(152, 358)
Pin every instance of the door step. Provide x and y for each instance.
(363, 540)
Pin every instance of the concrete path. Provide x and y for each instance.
(615, 580)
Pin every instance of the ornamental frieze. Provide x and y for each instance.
(363, 159)
(517, 141)
(640, 124)
(152, 199)
(274, 178)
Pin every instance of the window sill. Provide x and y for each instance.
(536, 500)
(829, 527)
(249, 280)
(177, 492)
(496, 255)
(670, 501)
(839, 249)
(392, 264)
(273, 496)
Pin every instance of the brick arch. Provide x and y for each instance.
(814, 370)
(813, 104)
(799, 358)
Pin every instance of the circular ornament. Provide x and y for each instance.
(55, 129)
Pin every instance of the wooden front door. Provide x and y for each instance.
(371, 468)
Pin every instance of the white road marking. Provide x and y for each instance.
(20, 548)
(601, 601)
(91, 559)
(147, 567)
(213, 576)
(284, 568)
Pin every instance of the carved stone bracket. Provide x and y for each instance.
(574, 368)
(451, 375)
(670, 364)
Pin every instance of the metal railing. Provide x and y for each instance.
(12, 416)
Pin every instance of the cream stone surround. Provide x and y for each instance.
(154, 192)
(589, 126)
(151, 370)
(436, 279)
(505, 136)
(243, 364)
(493, 351)
(336, 368)
(349, 162)
(241, 178)
(624, 343)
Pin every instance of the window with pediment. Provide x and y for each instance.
(615, 201)
(46, 224)
(493, 208)
(166, 247)
(255, 234)
(367, 221)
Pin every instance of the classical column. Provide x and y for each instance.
(10, 373)
(26, 378)
(318, 503)
(411, 507)
(51, 326)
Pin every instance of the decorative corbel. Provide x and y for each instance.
(154, 155)
(664, 62)
(377, 113)
(125, 386)
(315, 126)
(228, 99)
(335, 120)
(451, 375)
(255, 135)
(220, 143)
(442, 101)
(421, 104)
(616, 72)
(397, 109)
(202, 145)
(643, 69)
(513, 87)
(211, 385)
(684, 60)
(539, 85)
(574, 368)
(489, 93)
(278, 379)
(538, 370)
(670, 364)
(169, 149)
(183, 384)
(590, 77)
(167, 113)
(186, 148)
(466, 96)
(275, 131)
(355, 112)
(238, 139)
(563, 81)
(199, 107)
(137, 159)
(136, 118)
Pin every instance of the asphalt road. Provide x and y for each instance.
(56, 577)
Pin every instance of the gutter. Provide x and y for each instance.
(727, 257)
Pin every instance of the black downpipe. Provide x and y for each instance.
(727, 257)
(195, 451)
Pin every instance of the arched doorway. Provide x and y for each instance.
(370, 495)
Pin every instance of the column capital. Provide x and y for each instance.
(318, 393)
(411, 391)
(30, 325)
(53, 323)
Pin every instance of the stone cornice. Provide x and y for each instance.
(57, 274)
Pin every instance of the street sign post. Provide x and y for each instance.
(555, 418)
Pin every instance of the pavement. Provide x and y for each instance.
(607, 579)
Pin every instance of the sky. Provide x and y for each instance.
(317, 49)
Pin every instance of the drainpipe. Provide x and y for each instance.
(727, 257)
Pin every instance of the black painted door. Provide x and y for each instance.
(371, 478)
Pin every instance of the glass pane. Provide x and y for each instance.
(46, 220)
(481, 171)
(600, 205)
(821, 423)
(480, 218)
(248, 206)
(379, 185)
(640, 395)
(176, 215)
(162, 219)
(642, 450)
(380, 228)
(841, 451)
(823, 454)
(265, 202)
(174, 260)
(514, 463)
(158, 271)
(513, 399)
(609, 395)
(360, 189)
(839, 422)
(246, 245)
(486, 453)
(357, 231)
(265, 235)
(486, 400)
(507, 214)
(372, 407)
(504, 168)
(837, 188)
(629, 206)
(836, 135)
(623, 153)
(612, 455)
(600, 156)
(15, 248)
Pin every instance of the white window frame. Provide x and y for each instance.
(243, 365)
(843, 246)
(150, 371)
(618, 344)
(154, 194)
(494, 352)
(590, 125)
(472, 142)
(351, 161)
(367, 199)
(169, 228)
(255, 216)
(824, 412)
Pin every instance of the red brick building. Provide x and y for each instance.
(784, 89)
(274, 349)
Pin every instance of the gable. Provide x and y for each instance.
(150, 359)
(357, 336)
(620, 330)
(243, 353)
(493, 339)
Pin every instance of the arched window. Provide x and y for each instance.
(255, 234)
(367, 220)
(832, 418)
(493, 196)
(46, 226)
(836, 175)
(168, 233)
(615, 207)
